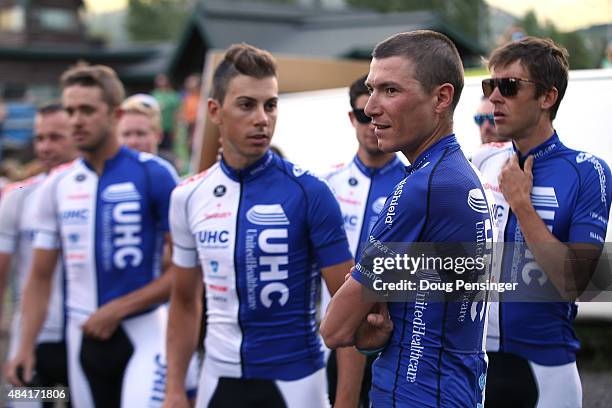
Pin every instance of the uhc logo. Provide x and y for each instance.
(126, 223)
(477, 202)
(78, 216)
(271, 214)
(213, 238)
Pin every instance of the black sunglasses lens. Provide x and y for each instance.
(361, 116)
(487, 87)
(507, 87)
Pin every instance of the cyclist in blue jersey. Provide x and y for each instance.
(553, 208)
(108, 212)
(431, 352)
(361, 188)
(253, 231)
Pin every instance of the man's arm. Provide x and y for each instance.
(103, 323)
(183, 330)
(5, 269)
(350, 362)
(34, 311)
(568, 266)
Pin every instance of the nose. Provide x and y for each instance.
(261, 117)
(496, 97)
(372, 108)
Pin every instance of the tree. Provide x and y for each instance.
(465, 15)
(580, 57)
(156, 20)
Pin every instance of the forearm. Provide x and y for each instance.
(155, 292)
(34, 306)
(5, 268)
(568, 274)
(182, 338)
(351, 364)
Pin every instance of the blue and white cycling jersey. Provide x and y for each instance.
(435, 356)
(257, 233)
(361, 192)
(571, 193)
(17, 231)
(110, 228)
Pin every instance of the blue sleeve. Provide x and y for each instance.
(590, 217)
(401, 221)
(326, 226)
(163, 181)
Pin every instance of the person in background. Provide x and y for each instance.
(190, 104)
(361, 188)
(169, 103)
(53, 146)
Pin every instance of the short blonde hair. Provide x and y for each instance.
(143, 104)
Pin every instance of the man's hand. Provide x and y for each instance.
(375, 331)
(102, 324)
(176, 400)
(24, 360)
(515, 183)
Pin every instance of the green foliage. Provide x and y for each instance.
(156, 20)
(581, 57)
(465, 15)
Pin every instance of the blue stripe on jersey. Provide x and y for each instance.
(435, 356)
(572, 195)
(287, 221)
(131, 217)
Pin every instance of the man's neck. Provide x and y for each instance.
(534, 137)
(239, 162)
(374, 161)
(96, 158)
(412, 153)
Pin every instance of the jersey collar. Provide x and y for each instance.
(372, 171)
(109, 163)
(250, 172)
(421, 161)
(542, 151)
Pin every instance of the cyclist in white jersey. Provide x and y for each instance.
(361, 188)
(250, 230)
(108, 210)
(52, 146)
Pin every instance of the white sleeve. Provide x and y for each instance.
(9, 220)
(184, 251)
(47, 231)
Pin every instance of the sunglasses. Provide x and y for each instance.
(507, 86)
(361, 116)
(480, 119)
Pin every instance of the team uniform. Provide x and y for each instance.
(110, 229)
(361, 192)
(257, 234)
(571, 193)
(17, 227)
(435, 356)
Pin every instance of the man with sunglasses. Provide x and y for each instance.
(361, 188)
(553, 205)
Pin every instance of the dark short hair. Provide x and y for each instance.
(241, 59)
(50, 108)
(101, 76)
(435, 57)
(357, 89)
(546, 62)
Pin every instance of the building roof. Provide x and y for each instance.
(296, 30)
